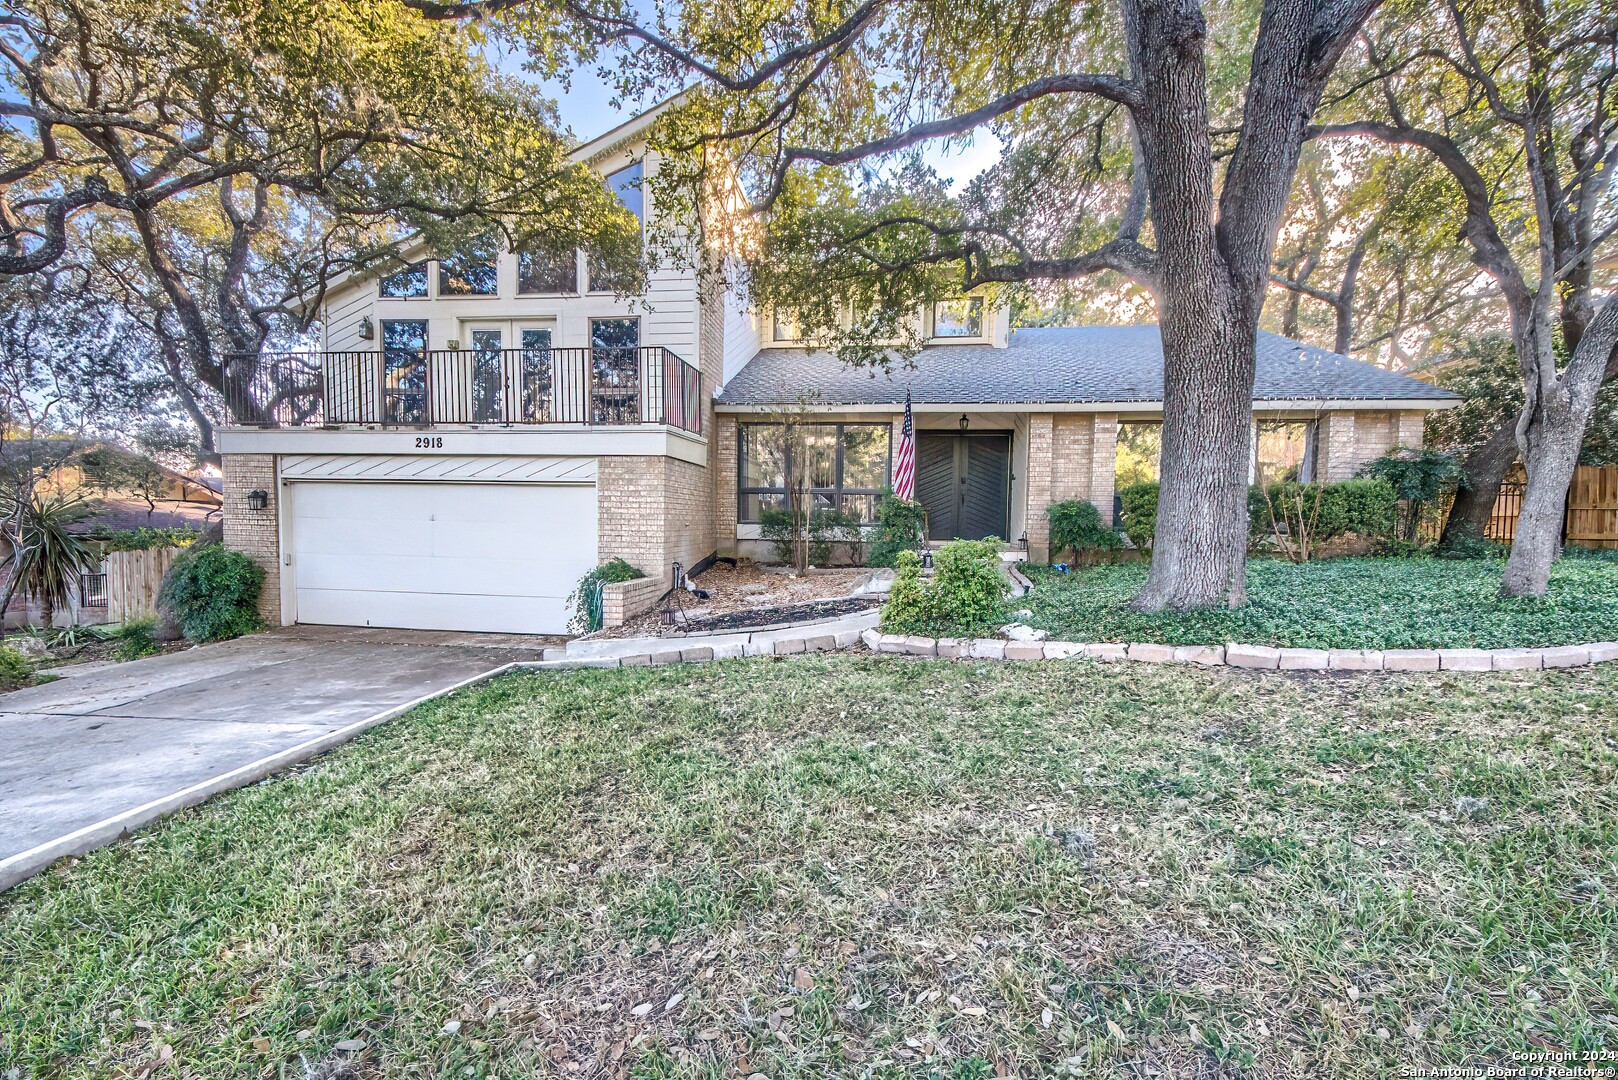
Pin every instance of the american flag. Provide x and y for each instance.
(904, 469)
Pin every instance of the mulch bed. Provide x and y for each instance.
(755, 618)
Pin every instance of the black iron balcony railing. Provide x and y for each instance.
(493, 387)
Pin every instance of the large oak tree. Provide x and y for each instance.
(1157, 140)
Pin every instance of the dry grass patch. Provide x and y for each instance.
(865, 867)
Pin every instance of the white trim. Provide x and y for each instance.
(1259, 406)
(548, 440)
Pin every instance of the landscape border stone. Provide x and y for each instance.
(862, 630)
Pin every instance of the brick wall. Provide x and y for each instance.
(723, 446)
(254, 532)
(1348, 440)
(1041, 436)
(653, 512)
(1103, 463)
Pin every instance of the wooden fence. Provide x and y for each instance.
(1592, 508)
(132, 581)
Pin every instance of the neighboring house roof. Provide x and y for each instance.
(1056, 365)
(117, 513)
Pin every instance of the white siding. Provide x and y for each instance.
(741, 330)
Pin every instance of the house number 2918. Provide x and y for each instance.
(429, 442)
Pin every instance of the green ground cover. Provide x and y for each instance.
(1359, 603)
(864, 867)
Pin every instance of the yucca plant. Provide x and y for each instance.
(47, 557)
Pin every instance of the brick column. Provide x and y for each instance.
(1336, 443)
(254, 533)
(1412, 427)
(724, 515)
(1104, 463)
(1041, 438)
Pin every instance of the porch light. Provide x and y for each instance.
(964, 422)
(926, 558)
(258, 499)
(367, 328)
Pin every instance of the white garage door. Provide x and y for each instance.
(490, 557)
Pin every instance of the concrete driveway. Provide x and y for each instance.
(102, 752)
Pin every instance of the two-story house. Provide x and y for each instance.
(481, 428)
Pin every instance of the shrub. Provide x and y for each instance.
(964, 598)
(1076, 526)
(15, 668)
(135, 638)
(1324, 512)
(585, 599)
(827, 530)
(212, 592)
(1420, 480)
(1139, 511)
(145, 539)
(901, 526)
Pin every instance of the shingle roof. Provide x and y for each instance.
(1053, 366)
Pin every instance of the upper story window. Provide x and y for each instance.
(541, 272)
(626, 184)
(959, 318)
(408, 284)
(472, 271)
(784, 325)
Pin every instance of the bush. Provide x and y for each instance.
(145, 539)
(15, 669)
(1139, 511)
(1420, 480)
(964, 598)
(1076, 526)
(212, 592)
(1365, 508)
(901, 526)
(827, 529)
(135, 638)
(585, 599)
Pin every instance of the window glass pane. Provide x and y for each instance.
(1282, 451)
(626, 184)
(539, 272)
(404, 334)
(865, 456)
(784, 325)
(817, 454)
(861, 507)
(959, 318)
(535, 370)
(470, 272)
(486, 376)
(615, 370)
(408, 283)
(752, 506)
(763, 456)
(1140, 446)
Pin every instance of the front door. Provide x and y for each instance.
(964, 482)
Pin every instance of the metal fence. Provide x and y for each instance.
(416, 388)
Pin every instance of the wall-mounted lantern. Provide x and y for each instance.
(258, 499)
(367, 328)
(964, 423)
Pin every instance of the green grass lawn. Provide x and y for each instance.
(864, 867)
(1361, 603)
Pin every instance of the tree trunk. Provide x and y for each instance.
(1199, 555)
(1550, 435)
(1486, 467)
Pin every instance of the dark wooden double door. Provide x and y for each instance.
(964, 481)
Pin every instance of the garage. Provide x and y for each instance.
(439, 549)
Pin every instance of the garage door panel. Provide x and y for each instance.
(493, 557)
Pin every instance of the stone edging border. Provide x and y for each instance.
(1253, 657)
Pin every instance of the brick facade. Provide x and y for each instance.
(652, 513)
(1347, 440)
(1070, 456)
(255, 533)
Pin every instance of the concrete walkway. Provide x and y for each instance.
(106, 750)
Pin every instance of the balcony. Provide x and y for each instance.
(407, 388)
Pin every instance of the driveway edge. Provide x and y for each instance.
(18, 868)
